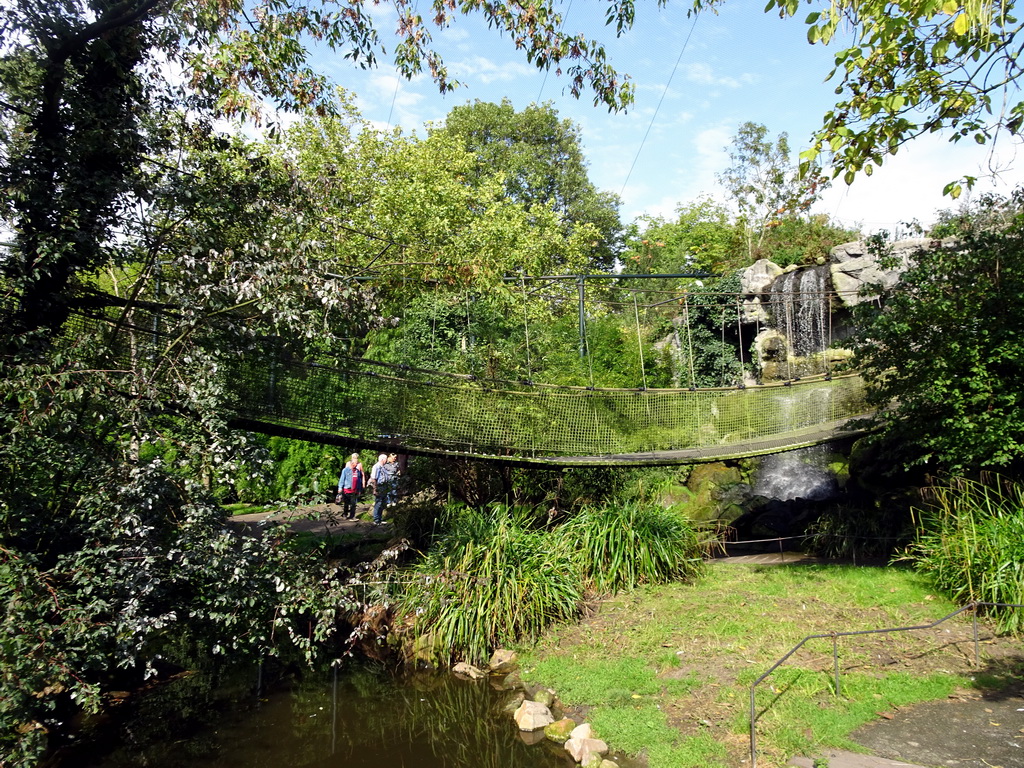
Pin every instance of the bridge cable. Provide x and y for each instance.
(658, 108)
(790, 308)
(739, 331)
(689, 337)
(722, 357)
(526, 329)
(433, 325)
(469, 333)
(828, 357)
(639, 341)
(590, 358)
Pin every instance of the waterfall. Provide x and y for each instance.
(801, 474)
(800, 309)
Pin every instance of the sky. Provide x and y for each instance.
(696, 82)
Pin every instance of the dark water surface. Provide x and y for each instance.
(359, 716)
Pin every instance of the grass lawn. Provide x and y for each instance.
(666, 672)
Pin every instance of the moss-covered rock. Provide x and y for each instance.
(709, 484)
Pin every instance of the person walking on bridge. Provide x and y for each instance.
(382, 480)
(350, 486)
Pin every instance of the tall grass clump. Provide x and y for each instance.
(971, 542)
(623, 547)
(492, 579)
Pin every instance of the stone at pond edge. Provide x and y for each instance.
(464, 669)
(593, 760)
(545, 697)
(530, 738)
(532, 716)
(560, 730)
(514, 702)
(510, 682)
(502, 661)
(582, 731)
(582, 750)
(608, 764)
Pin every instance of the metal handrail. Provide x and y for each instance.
(835, 656)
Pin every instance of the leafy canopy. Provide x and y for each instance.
(906, 68)
(539, 159)
(945, 352)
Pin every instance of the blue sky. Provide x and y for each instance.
(739, 65)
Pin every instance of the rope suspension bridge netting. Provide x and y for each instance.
(356, 401)
(449, 413)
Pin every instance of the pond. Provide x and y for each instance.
(358, 716)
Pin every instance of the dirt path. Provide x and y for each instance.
(321, 518)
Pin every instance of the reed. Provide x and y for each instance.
(624, 547)
(971, 542)
(492, 580)
(499, 577)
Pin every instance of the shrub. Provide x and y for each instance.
(972, 543)
(621, 548)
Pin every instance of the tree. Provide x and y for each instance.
(436, 218)
(764, 185)
(944, 354)
(540, 160)
(702, 238)
(83, 86)
(910, 69)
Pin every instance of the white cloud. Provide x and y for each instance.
(909, 185)
(488, 71)
(701, 73)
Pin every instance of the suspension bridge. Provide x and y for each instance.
(355, 401)
(426, 412)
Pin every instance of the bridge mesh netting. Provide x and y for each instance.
(359, 401)
(432, 411)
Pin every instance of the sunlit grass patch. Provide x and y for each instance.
(725, 629)
(605, 680)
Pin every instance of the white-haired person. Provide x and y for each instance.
(383, 478)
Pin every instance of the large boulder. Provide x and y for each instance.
(854, 267)
(754, 281)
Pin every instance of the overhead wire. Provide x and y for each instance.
(544, 81)
(662, 99)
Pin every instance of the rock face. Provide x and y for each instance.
(754, 281)
(532, 716)
(853, 266)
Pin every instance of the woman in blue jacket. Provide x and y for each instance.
(350, 486)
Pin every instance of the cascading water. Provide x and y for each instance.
(801, 474)
(800, 309)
